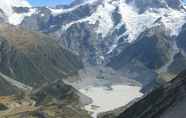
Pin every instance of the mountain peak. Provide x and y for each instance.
(7, 5)
(12, 10)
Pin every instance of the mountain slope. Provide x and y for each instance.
(166, 101)
(33, 58)
(137, 38)
(98, 30)
(32, 69)
(7, 88)
(154, 47)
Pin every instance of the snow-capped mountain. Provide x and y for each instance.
(14, 11)
(102, 31)
(121, 42)
(137, 36)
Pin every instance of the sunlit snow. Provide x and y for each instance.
(7, 5)
(135, 22)
(15, 18)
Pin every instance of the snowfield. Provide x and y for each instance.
(109, 99)
(14, 18)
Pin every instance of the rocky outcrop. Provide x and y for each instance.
(157, 102)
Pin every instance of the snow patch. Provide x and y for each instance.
(42, 15)
(173, 20)
(103, 16)
(135, 23)
(56, 11)
(14, 18)
(17, 18)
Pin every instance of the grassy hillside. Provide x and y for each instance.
(33, 58)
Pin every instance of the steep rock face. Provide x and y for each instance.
(152, 49)
(150, 52)
(159, 103)
(177, 65)
(33, 58)
(177, 61)
(181, 38)
(2, 16)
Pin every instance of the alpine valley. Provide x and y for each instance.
(93, 59)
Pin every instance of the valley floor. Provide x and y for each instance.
(105, 91)
(109, 99)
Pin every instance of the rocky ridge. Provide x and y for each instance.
(160, 103)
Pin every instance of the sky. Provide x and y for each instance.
(49, 2)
